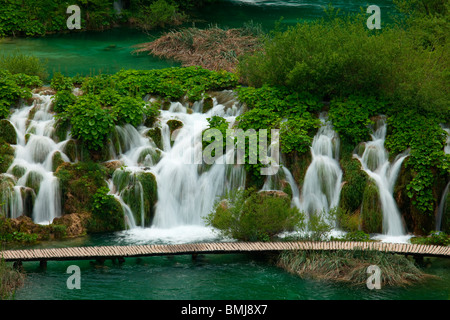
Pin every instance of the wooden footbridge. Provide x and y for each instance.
(102, 253)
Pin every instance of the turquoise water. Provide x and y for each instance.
(91, 52)
(210, 277)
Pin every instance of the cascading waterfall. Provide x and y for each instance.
(375, 162)
(34, 153)
(187, 190)
(322, 184)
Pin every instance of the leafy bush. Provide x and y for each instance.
(438, 238)
(62, 100)
(129, 110)
(10, 92)
(426, 140)
(90, 122)
(61, 83)
(253, 216)
(107, 214)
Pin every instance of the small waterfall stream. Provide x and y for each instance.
(443, 203)
(322, 185)
(34, 153)
(375, 162)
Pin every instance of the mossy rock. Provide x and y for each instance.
(75, 151)
(33, 180)
(60, 130)
(156, 136)
(7, 183)
(131, 187)
(298, 165)
(208, 104)
(79, 182)
(149, 157)
(7, 132)
(371, 211)
(18, 171)
(174, 125)
(415, 221)
(6, 156)
(355, 180)
(28, 199)
(57, 160)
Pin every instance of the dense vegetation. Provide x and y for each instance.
(334, 64)
(40, 17)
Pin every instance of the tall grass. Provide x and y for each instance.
(351, 266)
(18, 62)
(10, 280)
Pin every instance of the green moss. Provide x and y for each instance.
(445, 223)
(79, 182)
(155, 135)
(56, 160)
(6, 156)
(174, 125)
(371, 213)
(28, 198)
(33, 180)
(6, 190)
(208, 104)
(139, 192)
(355, 180)
(107, 213)
(149, 157)
(7, 132)
(18, 171)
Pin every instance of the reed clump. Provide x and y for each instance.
(351, 266)
(212, 48)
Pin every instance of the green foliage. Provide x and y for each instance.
(21, 63)
(10, 92)
(355, 236)
(351, 117)
(151, 113)
(61, 83)
(10, 280)
(62, 100)
(107, 214)
(129, 110)
(426, 140)
(355, 182)
(339, 57)
(438, 238)
(253, 216)
(90, 122)
(297, 132)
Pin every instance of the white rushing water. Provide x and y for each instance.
(187, 189)
(322, 184)
(34, 153)
(375, 162)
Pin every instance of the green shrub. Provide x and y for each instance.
(107, 213)
(62, 100)
(61, 83)
(129, 110)
(438, 238)
(90, 122)
(10, 92)
(253, 216)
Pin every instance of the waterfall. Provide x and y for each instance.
(187, 190)
(375, 162)
(118, 6)
(322, 184)
(34, 153)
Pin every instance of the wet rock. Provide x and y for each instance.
(7, 132)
